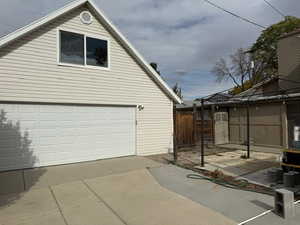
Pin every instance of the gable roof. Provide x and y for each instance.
(108, 24)
(258, 85)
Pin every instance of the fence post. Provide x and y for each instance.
(202, 132)
(174, 135)
(248, 130)
(213, 123)
(194, 123)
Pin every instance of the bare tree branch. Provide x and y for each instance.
(223, 73)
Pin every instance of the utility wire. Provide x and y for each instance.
(274, 8)
(235, 15)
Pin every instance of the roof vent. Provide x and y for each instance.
(86, 17)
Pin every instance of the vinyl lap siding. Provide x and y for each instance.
(29, 72)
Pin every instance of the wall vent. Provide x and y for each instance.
(86, 17)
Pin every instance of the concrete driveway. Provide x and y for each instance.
(107, 192)
(235, 204)
(243, 207)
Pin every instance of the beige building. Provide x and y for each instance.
(267, 124)
(274, 106)
(274, 112)
(72, 89)
(289, 60)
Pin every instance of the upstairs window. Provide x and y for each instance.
(96, 52)
(79, 49)
(71, 48)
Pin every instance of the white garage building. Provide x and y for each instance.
(73, 89)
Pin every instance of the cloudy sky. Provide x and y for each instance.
(185, 37)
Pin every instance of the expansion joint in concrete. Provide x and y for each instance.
(59, 208)
(105, 203)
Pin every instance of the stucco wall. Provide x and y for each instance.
(267, 125)
(289, 60)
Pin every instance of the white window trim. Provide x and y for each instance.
(85, 35)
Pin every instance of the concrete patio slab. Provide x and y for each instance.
(52, 217)
(232, 163)
(80, 206)
(275, 150)
(122, 193)
(11, 182)
(67, 173)
(73, 194)
(29, 208)
(91, 214)
(37, 201)
(21, 180)
(229, 162)
(138, 199)
(235, 204)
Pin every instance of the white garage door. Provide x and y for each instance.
(43, 135)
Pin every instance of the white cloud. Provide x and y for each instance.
(157, 28)
(192, 35)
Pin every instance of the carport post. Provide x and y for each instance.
(202, 132)
(248, 130)
(213, 123)
(174, 135)
(194, 124)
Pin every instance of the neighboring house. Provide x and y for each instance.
(267, 117)
(218, 97)
(267, 87)
(274, 105)
(73, 89)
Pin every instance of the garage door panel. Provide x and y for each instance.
(29, 124)
(57, 134)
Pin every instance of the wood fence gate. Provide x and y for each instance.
(188, 129)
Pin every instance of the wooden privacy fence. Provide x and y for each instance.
(188, 129)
